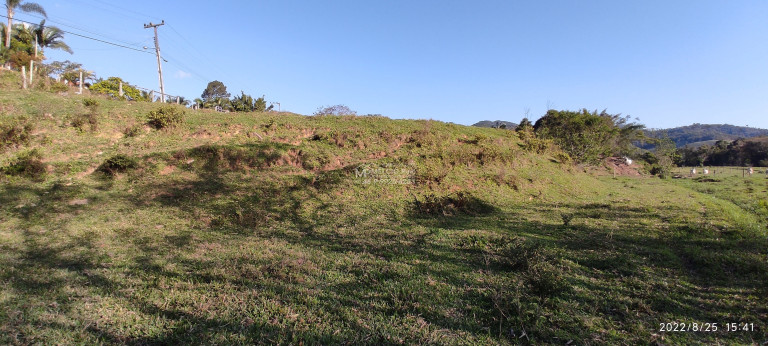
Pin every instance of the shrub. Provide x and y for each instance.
(27, 164)
(451, 204)
(79, 121)
(132, 131)
(90, 118)
(92, 104)
(15, 133)
(111, 86)
(58, 87)
(165, 116)
(534, 144)
(19, 59)
(541, 267)
(117, 164)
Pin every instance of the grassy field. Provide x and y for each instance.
(281, 228)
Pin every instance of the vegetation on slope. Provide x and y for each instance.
(280, 228)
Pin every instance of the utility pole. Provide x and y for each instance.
(157, 51)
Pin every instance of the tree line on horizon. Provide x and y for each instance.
(740, 152)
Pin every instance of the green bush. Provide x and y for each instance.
(534, 144)
(58, 87)
(165, 116)
(27, 164)
(588, 136)
(117, 164)
(111, 86)
(15, 133)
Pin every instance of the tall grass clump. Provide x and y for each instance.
(90, 117)
(27, 164)
(15, 133)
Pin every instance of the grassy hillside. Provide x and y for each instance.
(281, 228)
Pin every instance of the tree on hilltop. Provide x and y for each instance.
(589, 136)
(214, 91)
(335, 110)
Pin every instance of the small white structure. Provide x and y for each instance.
(628, 160)
(693, 171)
(751, 171)
(706, 171)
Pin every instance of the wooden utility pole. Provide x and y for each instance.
(157, 52)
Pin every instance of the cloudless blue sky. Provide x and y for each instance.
(669, 63)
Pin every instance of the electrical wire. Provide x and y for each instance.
(59, 22)
(87, 37)
(126, 45)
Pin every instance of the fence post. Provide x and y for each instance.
(31, 73)
(120, 91)
(24, 77)
(81, 82)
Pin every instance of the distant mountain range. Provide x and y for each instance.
(705, 134)
(496, 124)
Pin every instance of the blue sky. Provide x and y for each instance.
(668, 63)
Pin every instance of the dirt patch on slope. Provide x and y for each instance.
(620, 166)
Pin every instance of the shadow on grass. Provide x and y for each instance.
(327, 274)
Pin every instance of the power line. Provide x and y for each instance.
(59, 22)
(84, 36)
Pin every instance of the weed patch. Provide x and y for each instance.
(27, 164)
(117, 164)
(451, 204)
(15, 133)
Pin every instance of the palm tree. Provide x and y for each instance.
(11, 6)
(181, 100)
(50, 37)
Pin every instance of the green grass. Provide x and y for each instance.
(258, 228)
